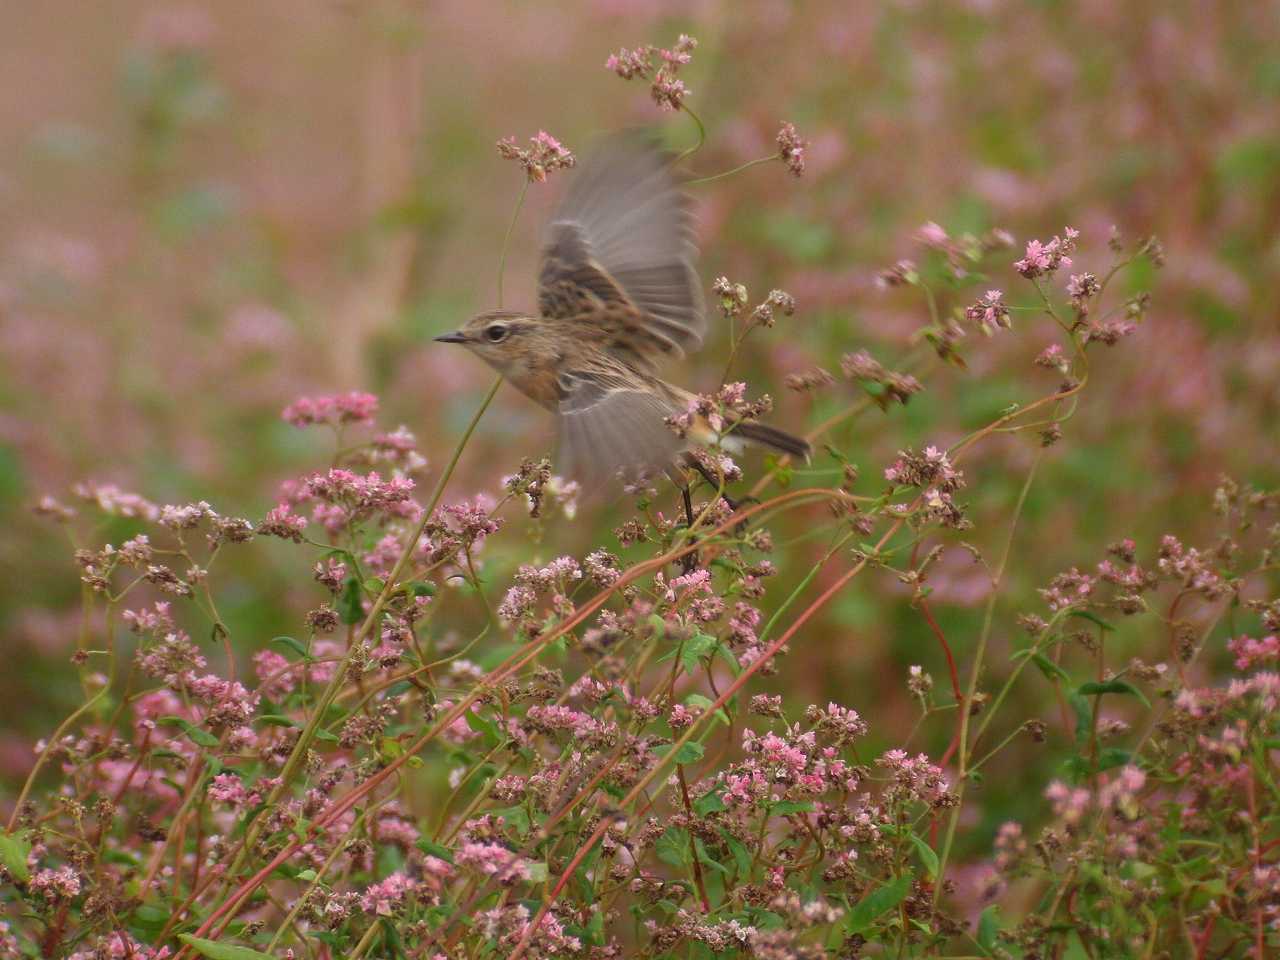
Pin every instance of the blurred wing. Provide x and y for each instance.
(610, 426)
(623, 238)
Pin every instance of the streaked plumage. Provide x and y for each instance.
(617, 296)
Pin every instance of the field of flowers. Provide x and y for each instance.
(313, 654)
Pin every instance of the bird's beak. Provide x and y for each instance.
(451, 338)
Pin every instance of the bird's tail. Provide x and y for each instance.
(773, 438)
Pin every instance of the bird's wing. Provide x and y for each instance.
(622, 239)
(612, 423)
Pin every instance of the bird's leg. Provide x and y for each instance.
(715, 485)
(689, 562)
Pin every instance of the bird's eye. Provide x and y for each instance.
(495, 333)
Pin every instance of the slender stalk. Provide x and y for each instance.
(738, 169)
(506, 238)
(975, 672)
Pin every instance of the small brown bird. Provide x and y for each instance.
(617, 296)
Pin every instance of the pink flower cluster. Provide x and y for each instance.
(333, 410)
(667, 90)
(1044, 258)
(545, 155)
(383, 898)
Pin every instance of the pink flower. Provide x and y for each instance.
(382, 898)
(545, 155)
(333, 410)
(1045, 258)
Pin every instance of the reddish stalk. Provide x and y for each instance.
(517, 661)
(738, 683)
(923, 604)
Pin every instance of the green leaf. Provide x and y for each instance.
(1050, 669)
(276, 720)
(785, 807)
(350, 602)
(201, 737)
(711, 803)
(14, 849)
(517, 818)
(295, 645)
(1113, 757)
(704, 703)
(741, 855)
(673, 848)
(690, 752)
(325, 735)
(1084, 716)
(708, 860)
(538, 872)
(221, 951)
(1095, 689)
(1092, 618)
(877, 902)
(927, 856)
(694, 649)
(483, 725)
(435, 849)
(988, 928)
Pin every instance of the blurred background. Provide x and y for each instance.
(208, 209)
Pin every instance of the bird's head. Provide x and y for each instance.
(498, 337)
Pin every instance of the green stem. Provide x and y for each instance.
(962, 748)
(702, 135)
(738, 169)
(506, 238)
(366, 628)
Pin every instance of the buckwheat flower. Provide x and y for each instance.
(282, 522)
(275, 677)
(1249, 651)
(544, 155)
(1122, 789)
(492, 859)
(931, 235)
(110, 499)
(791, 148)
(1045, 258)
(764, 705)
(631, 63)
(53, 509)
(60, 884)
(228, 701)
(323, 619)
(333, 410)
(1081, 288)
(1053, 358)
(919, 683)
(681, 717)
(185, 517)
(989, 313)
(668, 92)
(840, 723)
(602, 568)
(171, 658)
(332, 573)
(1068, 804)
(901, 274)
(809, 381)
(229, 789)
(385, 897)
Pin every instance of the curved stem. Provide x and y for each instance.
(962, 751)
(506, 238)
(738, 169)
(702, 135)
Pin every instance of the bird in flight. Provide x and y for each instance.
(617, 297)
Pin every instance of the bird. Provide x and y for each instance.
(618, 297)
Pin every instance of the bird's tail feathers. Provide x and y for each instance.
(773, 438)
